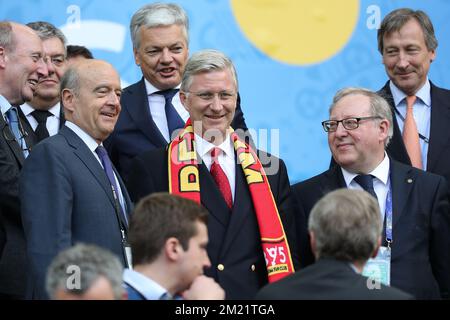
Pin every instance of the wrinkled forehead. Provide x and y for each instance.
(353, 105)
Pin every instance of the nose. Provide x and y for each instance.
(166, 56)
(403, 61)
(216, 103)
(207, 263)
(42, 68)
(340, 130)
(50, 66)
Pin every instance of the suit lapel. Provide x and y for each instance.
(440, 118)
(12, 143)
(140, 113)
(333, 179)
(126, 198)
(85, 155)
(396, 148)
(402, 182)
(242, 209)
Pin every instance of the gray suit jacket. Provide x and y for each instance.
(66, 198)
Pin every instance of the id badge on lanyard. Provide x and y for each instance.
(378, 269)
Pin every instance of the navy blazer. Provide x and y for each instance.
(328, 279)
(12, 247)
(420, 262)
(66, 198)
(136, 132)
(234, 238)
(439, 146)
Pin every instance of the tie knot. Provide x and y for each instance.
(364, 180)
(168, 94)
(12, 114)
(41, 115)
(410, 101)
(101, 152)
(215, 152)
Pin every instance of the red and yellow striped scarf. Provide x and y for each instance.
(184, 181)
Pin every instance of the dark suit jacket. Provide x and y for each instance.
(66, 198)
(136, 132)
(328, 279)
(439, 146)
(420, 262)
(234, 238)
(12, 261)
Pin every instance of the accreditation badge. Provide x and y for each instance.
(378, 269)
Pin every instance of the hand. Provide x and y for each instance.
(204, 288)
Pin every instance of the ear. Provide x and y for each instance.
(2, 57)
(375, 252)
(312, 242)
(172, 249)
(137, 59)
(183, 99)
(67, 98)
(432, 55)
(384, 129)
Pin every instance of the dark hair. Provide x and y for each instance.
(158, 217)
(75, 51)
(395, 20)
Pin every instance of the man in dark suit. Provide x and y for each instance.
(408, 45)
(44, 112)
(336, 221)
(69, 190)
(152, 110)
(216, 172)
(415, 201)
(21, 66)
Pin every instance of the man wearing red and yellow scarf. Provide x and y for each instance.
(246, 191)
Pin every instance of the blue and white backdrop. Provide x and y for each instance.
(291, 55)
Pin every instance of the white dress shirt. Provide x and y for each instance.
(226, 158)
(52, 123)
(143, 284)
(421, 112)
(157, 105)
(380, 182)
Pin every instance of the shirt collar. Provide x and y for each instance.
(203, 147)
(423, 94)
(151, 89)
(381, 172)
(27, 109)
(87, 139)
(143, 284)
(4, 105)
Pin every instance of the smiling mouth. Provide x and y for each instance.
(166, 71)
(108, 114)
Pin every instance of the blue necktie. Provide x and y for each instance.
(174, 120)
(107, 166)
(366, 182)
(13, 121)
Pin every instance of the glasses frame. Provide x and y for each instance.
(9, 135)
(358, 119)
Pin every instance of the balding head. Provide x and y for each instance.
(90, 91)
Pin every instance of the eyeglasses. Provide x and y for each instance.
(9, 136)
(348, 123)
(208, 96)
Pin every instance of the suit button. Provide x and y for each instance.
(220, 267)
(253, 267)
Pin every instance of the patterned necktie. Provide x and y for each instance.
(107, 166)
(366, 182)
(174, 120)
(411, 135)
(13, 121)
(220, 177)
(41, 118)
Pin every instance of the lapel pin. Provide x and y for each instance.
(409, 180)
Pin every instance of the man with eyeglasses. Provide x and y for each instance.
(246, 191)
(413, 203)
(44, 112)
(21, 67)
(152, 111)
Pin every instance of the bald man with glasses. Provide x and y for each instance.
(413, 203)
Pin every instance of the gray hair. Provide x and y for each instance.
(395, 20)
(6, 36)
(47, 31)
(346, 225)
(206, 61)
(157, 15)
(92, 261)
(71, 80)
(378, 105)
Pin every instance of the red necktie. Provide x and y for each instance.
(220, 177)
(411, 135)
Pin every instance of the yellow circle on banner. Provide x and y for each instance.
(297, 31)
